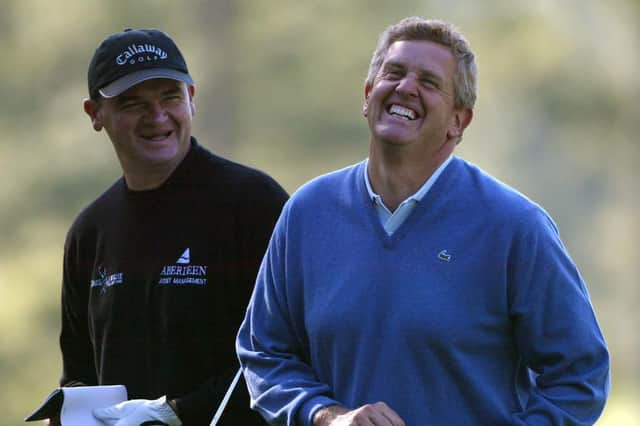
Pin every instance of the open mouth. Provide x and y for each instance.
(402, 112)
(155, 137)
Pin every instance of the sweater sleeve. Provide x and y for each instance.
(271, 343)
(556, 331)
(75, 343)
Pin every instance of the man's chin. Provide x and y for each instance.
(394, 134)
(394, 140)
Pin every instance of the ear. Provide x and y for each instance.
(459, 121)
(92, 109)
(191, 89)
(365, 106)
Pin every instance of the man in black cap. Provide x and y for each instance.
(158, 270)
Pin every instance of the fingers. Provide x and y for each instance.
(378, 414)
(390, 415)
(111, 414)
(107, 415)
(105, 418)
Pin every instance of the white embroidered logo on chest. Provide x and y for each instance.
(444, 255)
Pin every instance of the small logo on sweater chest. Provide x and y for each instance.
(444, 255)
(185, 258)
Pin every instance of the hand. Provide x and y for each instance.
(52, 422)
(138, 412)
(378, 414)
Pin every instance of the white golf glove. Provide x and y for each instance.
(138, 412)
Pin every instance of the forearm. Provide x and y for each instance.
(78, 367)
(282, 384)
(557, 333)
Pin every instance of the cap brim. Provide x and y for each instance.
(130, 80)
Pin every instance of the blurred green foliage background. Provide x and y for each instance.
(280, 87)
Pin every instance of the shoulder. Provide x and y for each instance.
(486, 193)
(237, 178)
(324, 199)
(331, 187)
(476, 184)
(98, 211)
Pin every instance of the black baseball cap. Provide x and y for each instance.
(130, 57)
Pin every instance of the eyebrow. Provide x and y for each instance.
(176, 89)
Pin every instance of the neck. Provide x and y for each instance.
(151, 176)
(395, 176)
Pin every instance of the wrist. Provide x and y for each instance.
(325, 415)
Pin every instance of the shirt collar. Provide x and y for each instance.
(420, 193)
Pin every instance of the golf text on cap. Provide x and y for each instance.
(141, 49)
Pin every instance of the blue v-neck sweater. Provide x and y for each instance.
(471, 313)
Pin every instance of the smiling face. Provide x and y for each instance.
(411, 100)
(149, 126)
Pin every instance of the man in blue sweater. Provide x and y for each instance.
(413, 288)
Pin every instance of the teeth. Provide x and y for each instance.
(157, 137)
(403, 112)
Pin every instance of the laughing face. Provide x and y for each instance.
(411, 101)
(149, 125)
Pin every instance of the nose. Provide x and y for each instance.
(156, 112)
(407, 86)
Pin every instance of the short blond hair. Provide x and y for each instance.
(416, 28)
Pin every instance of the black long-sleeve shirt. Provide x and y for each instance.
(156, 283)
